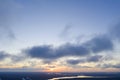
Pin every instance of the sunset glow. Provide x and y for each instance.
(60, 36)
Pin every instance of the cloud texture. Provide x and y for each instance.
(95, 45)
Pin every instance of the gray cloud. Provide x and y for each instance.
(47, 52)
(95, 45)
(100, 43)
(65, 34)
(75, 62)
(110, 65)
(95, 58)
(72, 50)
(3, 55)
(6, 33)
(22, 69)
(16, 58)
(114, 32)
(41, 52)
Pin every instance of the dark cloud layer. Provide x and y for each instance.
(100, 43)
(95, 45)
(40, 52)
(47, 52)
(75, 62)
(110, 65)
(95, 58)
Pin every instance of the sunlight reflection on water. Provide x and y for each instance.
(71, 77)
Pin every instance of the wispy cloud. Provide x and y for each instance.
(65, 34)
(6, 33)
(114, 32)
(3, 55)
(95, 58)
(108, 65)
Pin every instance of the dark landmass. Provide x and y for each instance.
(93, 79)
(46, 76)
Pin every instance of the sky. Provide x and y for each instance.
(60, 35)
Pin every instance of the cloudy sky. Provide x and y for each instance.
(60, 35)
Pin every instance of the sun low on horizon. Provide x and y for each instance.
(59, 36)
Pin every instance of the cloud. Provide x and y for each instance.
(13, 58)
(75, 62)
(114, 32)
(72, 50)
(47, 52)
(16, 58)
(40, 52)
(95, 45)
(95, 58)
(100, 43)
(6, 33)
(3, 55)
(22, 69)
(65, 33)
(110, 65)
